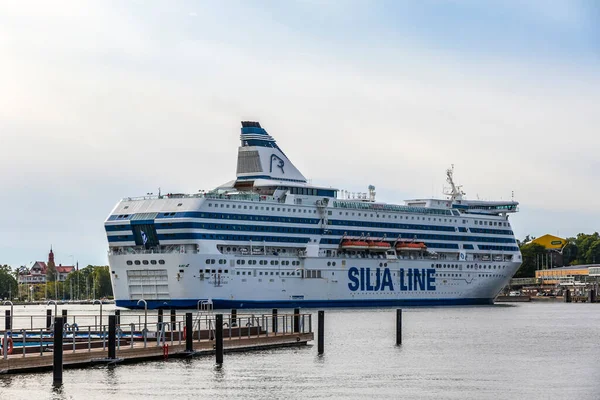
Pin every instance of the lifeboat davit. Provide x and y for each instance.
(355, 245)
(379, 246)
(411, 246)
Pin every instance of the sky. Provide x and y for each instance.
(107, 99)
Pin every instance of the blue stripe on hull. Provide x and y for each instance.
(241, 304)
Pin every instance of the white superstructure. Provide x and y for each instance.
(270, 239)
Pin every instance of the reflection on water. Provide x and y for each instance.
(532, 351)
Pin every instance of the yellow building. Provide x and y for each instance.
(564, 275)
(550, 242)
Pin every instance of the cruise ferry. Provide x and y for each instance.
(269, 238)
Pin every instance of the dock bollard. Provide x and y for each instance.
(567, 296)
(233, 317)
(321, 333)
(173, 319)
(112, 333)
(189, 333)
(274, 320)
(219, 338)
(57, 353)
(398, 327)
(296, 320)
(48, 318)
(160, 315)
(118, 317)
(7, 324)
(591, 296)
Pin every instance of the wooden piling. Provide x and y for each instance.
(219, 338)
(64, 315)
(321, 333)
(274, 325)
(160, 315)
(57, 361)
(567, 296)
(296, 320)
(173, 319)
(7, 324)
(118, 317)
(233, 317)
(189, 333)
(48, 318)
(112, 333)
(398, 327)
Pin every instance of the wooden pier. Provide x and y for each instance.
(31, 350)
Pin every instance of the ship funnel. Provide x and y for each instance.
(259, 157)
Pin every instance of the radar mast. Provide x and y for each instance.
(455, 192)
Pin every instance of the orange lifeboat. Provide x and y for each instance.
(379, 246)
(411, 246)
(354, 244)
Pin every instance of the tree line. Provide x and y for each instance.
(91, 282)
(579, 250)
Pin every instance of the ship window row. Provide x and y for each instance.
(413, 226)
(287, 273)
(145, 262)
(245, 217)
(500, 248)
(468, 266)
(215, 271)
(491, 223)
(314, 231)
(212, 261)
(265, 208)
(389, 207)
(253, 228)
(421, 236)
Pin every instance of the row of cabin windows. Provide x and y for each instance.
(287, 273)
(468, 266)
(145, 262)
(266, 262)
(412, 217)
(212, 261)
(263, 208)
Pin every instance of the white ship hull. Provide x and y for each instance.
(360, 282)
(271, 239)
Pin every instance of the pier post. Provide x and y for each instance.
(118, 317)
(160, 316)
(7, 324)
(321, 333)
(48, 318)
(398, 327)
(189, 333)
(274, 320)
(64, 315)
(233, 317)
(173, 319)
(57, 354)
(296, 320)
(112, 333)
(591, 296)
(219, 338)
(567, 296)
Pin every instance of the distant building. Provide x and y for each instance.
(572, 275)
(36, 271)
(550, 242)
(554, 256)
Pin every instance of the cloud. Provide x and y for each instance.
(101, 103)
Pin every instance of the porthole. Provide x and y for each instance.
(137, 262)
(129, 263)
(145, 262)
(153, 262)
(161, 262)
